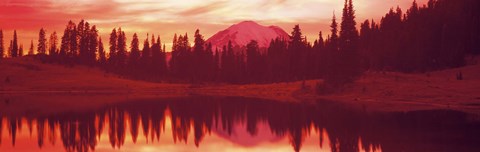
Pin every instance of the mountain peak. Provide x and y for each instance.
(242, 33)
(249, 22)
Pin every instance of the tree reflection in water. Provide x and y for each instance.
(348, 129)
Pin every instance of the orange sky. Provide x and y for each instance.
(167, 17)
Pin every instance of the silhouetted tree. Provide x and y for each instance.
(181, 58)
(112, 60)
(216, 65)
(83, 29)
(146, 57)
(53, 44)
(122, 48)
(319, 57)
(92, 44)
(277, 60)
(159, 65)
(209, 59)
(199, 58)
(42, 42)
(65, 46)
(331, 54)
(14, 48)
(30, 51)
(254, 59)
(101, 53)
(296, 52)
(20, 50)
(10, 48)
(348, 43)
(173, 60)
(73, 50)
(344, 59)
(228, 64)
(134, 54)
(2, 49)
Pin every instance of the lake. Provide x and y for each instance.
(203, 123)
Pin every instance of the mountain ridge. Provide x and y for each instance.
(243, 32)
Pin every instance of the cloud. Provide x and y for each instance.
(200, 10)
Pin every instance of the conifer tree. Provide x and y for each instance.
(14, 49)
(73, 50)
(92, 45)
(297, 54)
(112, 60)
(174, 54)
(122, 48)
(163, 60)
(253, 61)
(20, 51)
(10, 47)
(199, 57)
(65, 44)
(83, 30)
(101, 53)
(146, 56)
(30, 51)
(2, 49)
(42, 41)
(348, 58)
(53, 44)
(134, 52)
(158, 60)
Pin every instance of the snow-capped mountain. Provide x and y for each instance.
(242, 33)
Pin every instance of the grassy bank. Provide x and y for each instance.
(25, 78)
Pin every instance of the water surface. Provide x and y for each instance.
(202, 123)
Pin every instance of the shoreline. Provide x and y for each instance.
(374, 91)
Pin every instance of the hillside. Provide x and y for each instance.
(26, 74)
(393, 91)
(26, 79)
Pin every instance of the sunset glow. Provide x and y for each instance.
(165, 18)
(239, 75)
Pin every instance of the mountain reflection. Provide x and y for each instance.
(348, 129)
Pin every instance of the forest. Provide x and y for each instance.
(439, 35)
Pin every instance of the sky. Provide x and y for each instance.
(167, 17)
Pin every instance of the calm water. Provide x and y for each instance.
(236, 124)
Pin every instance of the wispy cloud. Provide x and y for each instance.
(201, 10)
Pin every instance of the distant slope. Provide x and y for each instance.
(28, 74)
(242, 33)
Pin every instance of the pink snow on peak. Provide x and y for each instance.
(242, 33)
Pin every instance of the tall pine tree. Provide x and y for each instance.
(349, 67)
(2, 50)
(112, 60)
(134, 52)
(14, 49)
(92, 44)
(30, 51)
(42, 42)
(53, 44)
(146, 57)
(101, 53)
(122, 48)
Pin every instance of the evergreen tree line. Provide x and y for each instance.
(435, 36)
(431, 37)
(14, 49)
